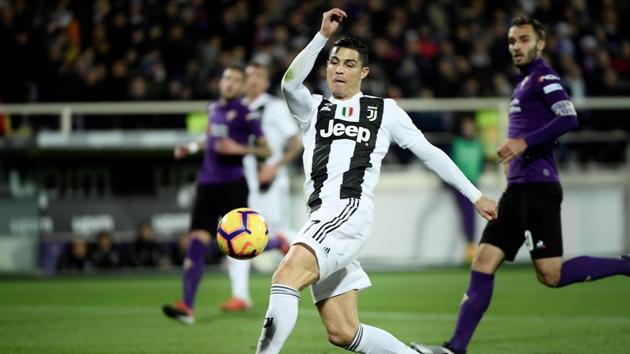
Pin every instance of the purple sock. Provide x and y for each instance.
(472, 309)
(276, 242)
(585, 268)
(273, 243)
(193, 270)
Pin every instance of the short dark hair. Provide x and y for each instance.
(356, 44)
(539, 29)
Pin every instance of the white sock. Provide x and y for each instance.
(372, 340)
(239, 277)
(279, 319)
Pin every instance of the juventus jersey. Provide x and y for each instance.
(345, 141)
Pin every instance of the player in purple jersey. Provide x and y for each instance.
(529, 210)
(221, 184)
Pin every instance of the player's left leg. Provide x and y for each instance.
(543, 237)
(340, 318)
(555, 273)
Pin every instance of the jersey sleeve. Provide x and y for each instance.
(408, 136)
(297, 96)
(549, 87)
(404, 133)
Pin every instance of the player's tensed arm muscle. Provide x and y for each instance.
(408, 136)
(296, 95)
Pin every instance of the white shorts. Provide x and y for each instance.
(337, 232)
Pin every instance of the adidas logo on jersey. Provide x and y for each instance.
(343, 131)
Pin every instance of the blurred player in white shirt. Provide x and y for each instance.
(268, 180)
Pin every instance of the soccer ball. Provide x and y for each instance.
(242, 233)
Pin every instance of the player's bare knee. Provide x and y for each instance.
(550, 278)
(483, 264)
(289, 275)
(201, 235)
(282, 275)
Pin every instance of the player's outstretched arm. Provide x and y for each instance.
(297, 95)
(440, 163)
(408, 136)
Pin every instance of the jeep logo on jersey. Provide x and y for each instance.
(345, 131)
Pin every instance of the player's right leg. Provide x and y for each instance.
(501, 240)
(474, 303)
(297, 270)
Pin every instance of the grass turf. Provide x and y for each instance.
(112, 315)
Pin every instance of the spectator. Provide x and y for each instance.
(104, 255)
(467, 153)
(177, 47)
(147, 252)
(74, 259)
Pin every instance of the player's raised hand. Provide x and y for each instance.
(510, 149)
(487, 208)
(331, 20)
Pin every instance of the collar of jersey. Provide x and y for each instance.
(356, 96)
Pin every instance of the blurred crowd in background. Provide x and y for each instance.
(104, 251)
(114, 50)
(139, 50)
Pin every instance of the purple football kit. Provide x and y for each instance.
(529, 209)
(221, 184)
(537, 101)
(227, 120)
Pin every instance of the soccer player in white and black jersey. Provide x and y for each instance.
(345, 138)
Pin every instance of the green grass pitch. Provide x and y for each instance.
(112, 315)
